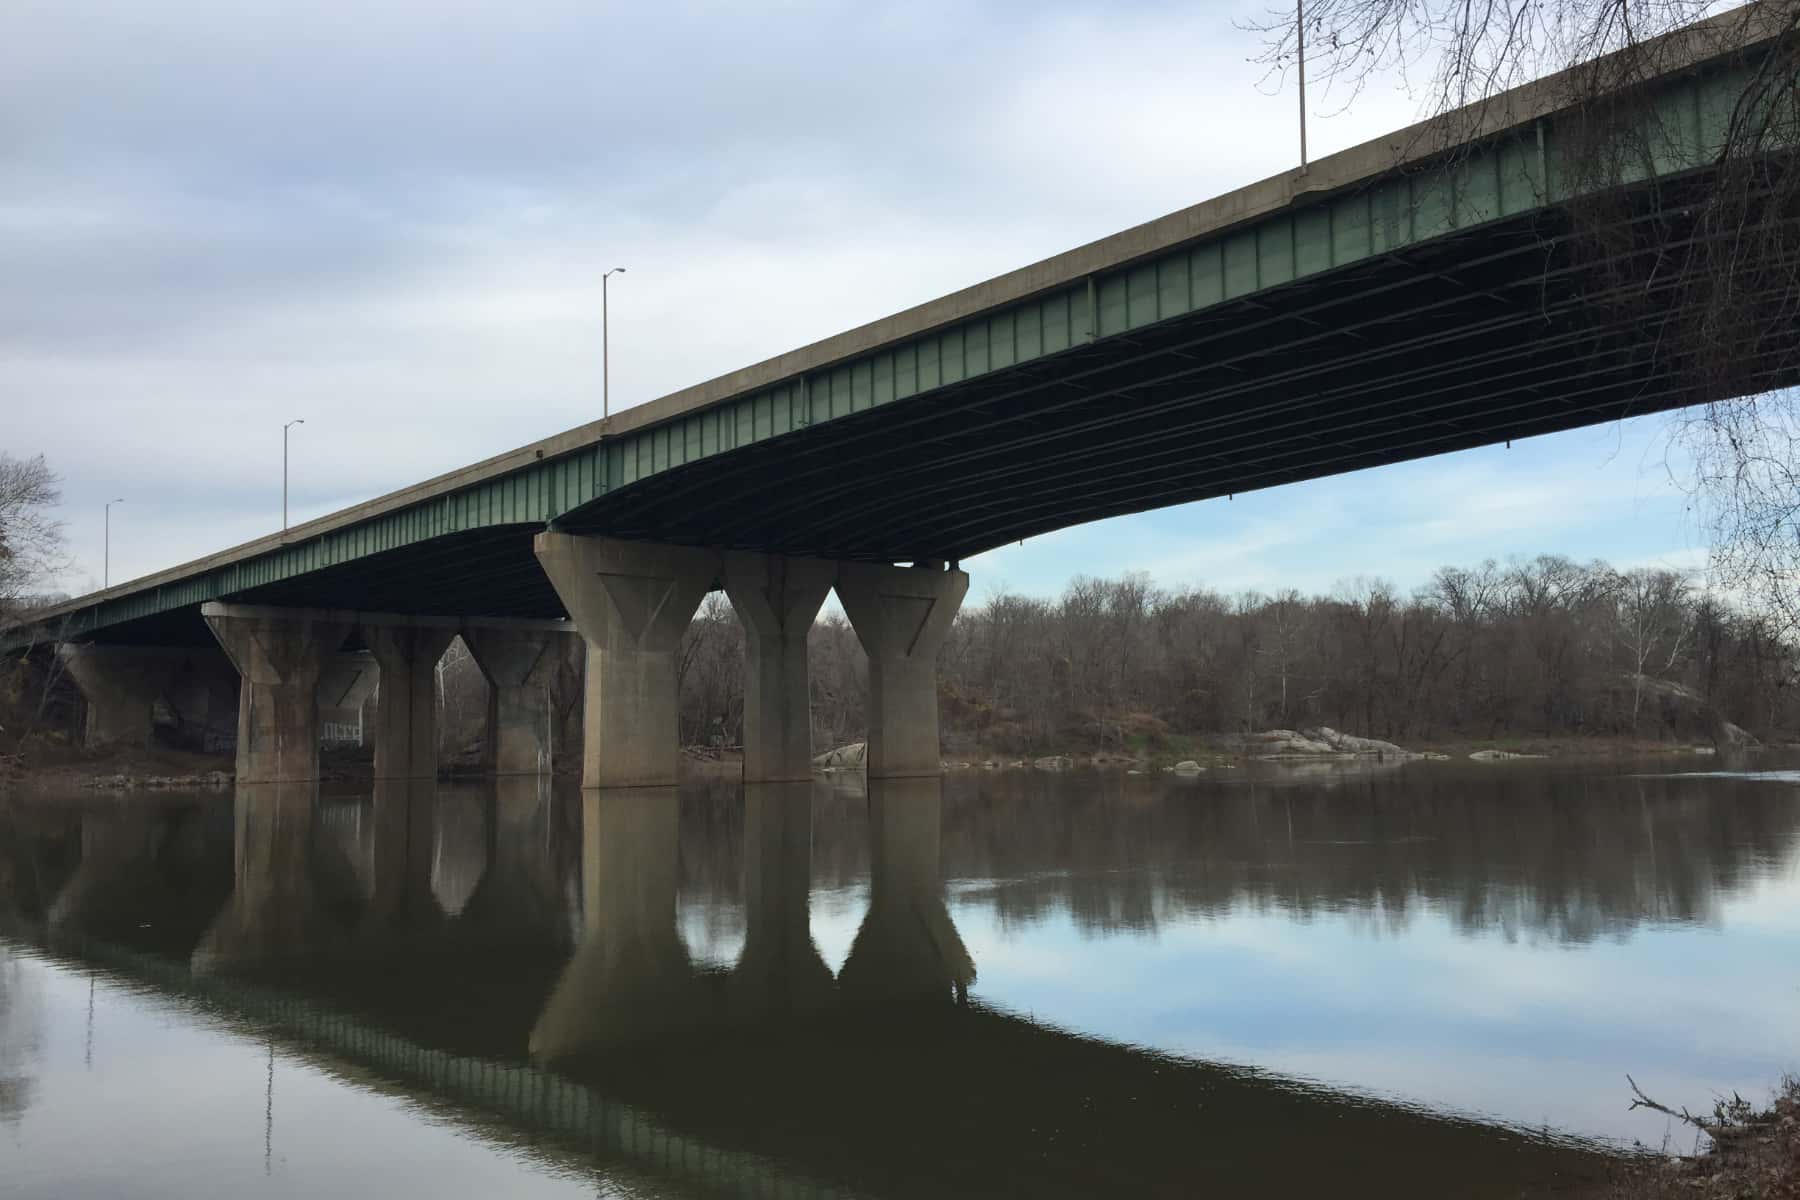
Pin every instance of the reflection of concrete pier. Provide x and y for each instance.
(908, 946)
(143, 877)
(730, 1090)
(630, 978)
(780, 974)
(275, 908)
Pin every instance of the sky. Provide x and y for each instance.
(390, 220)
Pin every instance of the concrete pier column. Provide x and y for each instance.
(777, 599)
(121, 685)
(345, 681)
(520, 660)
(901, 615)
(279, 653)
(632, 601)
(405, 732)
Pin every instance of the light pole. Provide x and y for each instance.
(606, 348)
(106, 560)
(1300, 45)
(284, 462)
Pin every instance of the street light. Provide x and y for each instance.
(284, 462)
(606, 348)
(106, 560)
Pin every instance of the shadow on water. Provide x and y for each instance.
(513, 957)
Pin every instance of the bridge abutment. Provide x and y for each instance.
(901, 616)
(405, 735)
(777, 599)
(631, 601)
(520, 660)
(280, 654)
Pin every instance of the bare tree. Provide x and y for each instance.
(1655, 625)
(31, 541)
(1702, 262)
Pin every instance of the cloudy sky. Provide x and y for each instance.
(390, 219)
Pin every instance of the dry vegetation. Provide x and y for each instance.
(1525, 654)
(1754, 1155)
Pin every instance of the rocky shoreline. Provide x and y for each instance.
(1320, 744)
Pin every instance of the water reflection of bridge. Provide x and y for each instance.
(515, 959)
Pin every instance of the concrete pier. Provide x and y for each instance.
(777, 599)
(280, 654)
(405, 733)
(631, 601)
(345, 682)
(901, 615)
(121, 685)
(520, 660)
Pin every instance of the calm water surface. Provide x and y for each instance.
(1426, 981)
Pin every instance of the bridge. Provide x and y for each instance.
(1425, 292)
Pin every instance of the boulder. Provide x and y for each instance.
(1347, 743)
(1188, 766)
(1323, 741)
(1285, 741)
(842, 758)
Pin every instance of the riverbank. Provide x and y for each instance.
(68, 768)
(1224, 751)
(1755, 1155)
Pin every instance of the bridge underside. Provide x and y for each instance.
(1500, 332)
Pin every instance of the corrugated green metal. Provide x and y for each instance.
(1505, 177)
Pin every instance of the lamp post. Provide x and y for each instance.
(106, 558)
(1300, 46)
(284, 467)
(606, 348)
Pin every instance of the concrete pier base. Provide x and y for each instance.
(777, 599)
(121, 685)
(631, 601)
(520, 660)
(346, 681)
(279, 653)
(901, 615)
(405, 731)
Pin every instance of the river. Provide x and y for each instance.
(1426, 980)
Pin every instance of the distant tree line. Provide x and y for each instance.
(1538, 647)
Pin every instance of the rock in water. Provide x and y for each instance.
(843, 758)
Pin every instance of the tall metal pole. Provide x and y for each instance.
(284, 468)
(1300, 41)
(106, 554)
(606, 347)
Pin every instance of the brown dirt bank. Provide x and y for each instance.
(1755, 1156)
